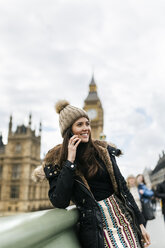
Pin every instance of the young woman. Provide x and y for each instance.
(144, 192)
(85, 171)
(132, 186)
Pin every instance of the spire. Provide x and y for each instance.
(1, 141)
(92, 86)
(92, 95)
(92, 80)
(30, 120)
(40, 128)
(10, 124)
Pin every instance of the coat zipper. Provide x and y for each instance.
(92, 196)
(87, 189)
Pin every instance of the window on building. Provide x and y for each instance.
(30, 192)
(1, 171)
(16, 169)
(34, 193)
(31, 171)
(14, 192)
(18, 148)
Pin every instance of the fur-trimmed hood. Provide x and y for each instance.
(52, 158)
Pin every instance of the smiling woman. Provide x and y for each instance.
(82, 129)
(85, 171)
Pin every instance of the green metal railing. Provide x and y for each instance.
(42, 229)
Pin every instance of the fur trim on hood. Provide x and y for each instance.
(38, 174)
(51, 157)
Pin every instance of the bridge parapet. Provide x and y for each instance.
(53, 228)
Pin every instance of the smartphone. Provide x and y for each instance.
(71, 134)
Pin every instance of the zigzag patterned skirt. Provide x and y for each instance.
(117, 224)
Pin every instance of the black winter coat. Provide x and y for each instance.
(67, 184)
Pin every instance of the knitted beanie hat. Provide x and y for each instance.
(68, 114)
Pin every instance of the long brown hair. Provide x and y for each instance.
(86, 155)
(143, 180)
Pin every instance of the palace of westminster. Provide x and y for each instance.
(21, 155)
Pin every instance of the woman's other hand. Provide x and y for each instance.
(141, 191)
(146, 236)
(72, 147)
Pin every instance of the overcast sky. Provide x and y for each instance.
(49, 50)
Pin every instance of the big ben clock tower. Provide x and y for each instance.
(94, 109)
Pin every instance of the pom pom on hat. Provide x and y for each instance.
(60, 105)
(68, 114)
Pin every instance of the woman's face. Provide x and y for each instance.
(140, 179)
(132, 181)
(82, 128)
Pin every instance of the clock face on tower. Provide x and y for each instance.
(92, 113)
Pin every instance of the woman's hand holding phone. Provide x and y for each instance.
(72, 147)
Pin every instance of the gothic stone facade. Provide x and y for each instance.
(18, 192)
(158, 174)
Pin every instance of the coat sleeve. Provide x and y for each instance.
(159, 192)
(123, 189)
(61, 184)
(147, 193)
